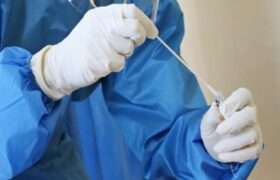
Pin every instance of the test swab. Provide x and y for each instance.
(217, 94)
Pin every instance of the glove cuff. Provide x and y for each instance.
(38, 66)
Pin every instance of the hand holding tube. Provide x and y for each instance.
(231, 132)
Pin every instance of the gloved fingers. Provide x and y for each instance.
(130, 11)
(249, 153)
(133, 29)
(237, 101)
(123, 46)
(233, 143)
(112, 61)
(238, 121)
(118, 63)
(211, 120)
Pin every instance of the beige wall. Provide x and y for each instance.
(237, 43)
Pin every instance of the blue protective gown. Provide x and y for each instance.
(141, 123)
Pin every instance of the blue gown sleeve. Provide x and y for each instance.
(27, 117)
(165, 108)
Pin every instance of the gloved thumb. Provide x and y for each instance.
(211, 120)
(131, 11)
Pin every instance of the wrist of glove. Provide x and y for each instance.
(97, 46)
(231, 132)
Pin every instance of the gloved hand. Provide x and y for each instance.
(97, 46)
(230, 132)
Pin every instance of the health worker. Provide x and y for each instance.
(89, 94)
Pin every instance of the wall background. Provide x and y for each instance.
(237, 43)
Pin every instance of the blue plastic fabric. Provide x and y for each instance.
(141, 123)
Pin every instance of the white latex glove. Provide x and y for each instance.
(97, 46)
(231, 133)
